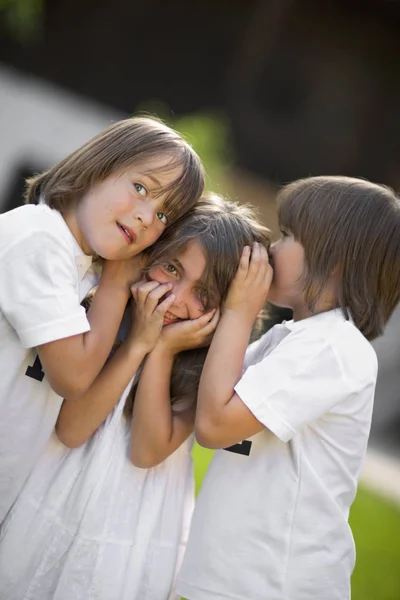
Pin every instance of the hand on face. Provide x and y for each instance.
(249, 288)
(191, 333)
(123, 272)
(148, 316)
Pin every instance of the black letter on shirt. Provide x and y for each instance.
(242, 448)
(35, 371)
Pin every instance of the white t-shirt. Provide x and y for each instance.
(44, 275)
(271, 520)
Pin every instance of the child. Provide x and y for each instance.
(271, 520)
(111, 198)
(98, 525)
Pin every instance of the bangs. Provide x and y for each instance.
(182, 193)
(291, 214)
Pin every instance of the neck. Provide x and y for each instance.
(72, 223)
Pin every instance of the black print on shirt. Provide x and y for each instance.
(35, 371)
(242, 448)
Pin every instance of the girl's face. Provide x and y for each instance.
(185, 273)
(121, 216)
(288, 265)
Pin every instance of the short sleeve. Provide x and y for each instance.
(294, 385)
(39, 290)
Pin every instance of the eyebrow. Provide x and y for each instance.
(182, 268)
(153, 179)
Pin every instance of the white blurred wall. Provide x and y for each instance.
(40, 124)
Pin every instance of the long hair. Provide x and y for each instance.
(222, 228)
(351, 227)
(114, 150)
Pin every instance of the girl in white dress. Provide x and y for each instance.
(105, 514)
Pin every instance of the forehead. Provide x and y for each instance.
(161, 170)
(193, 261)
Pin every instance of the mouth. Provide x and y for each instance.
(127, 233)
(170, 318)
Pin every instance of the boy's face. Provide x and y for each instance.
(288, 265)
(123, 214)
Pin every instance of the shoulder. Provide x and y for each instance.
(33, 227)
(333, 338)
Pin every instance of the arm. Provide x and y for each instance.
(222, 419)
(72, 364)
(156, 432)
(80, 417)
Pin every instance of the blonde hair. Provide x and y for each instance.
(116, 148)
(351, 226)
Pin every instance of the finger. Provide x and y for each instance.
(203, 319)
(142, 289)
(243, 263)
(255, 261)
(209, 328)
(264, 265)
(162, 308)
(154, 297)
(216, 317)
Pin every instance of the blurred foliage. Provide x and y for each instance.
(22, 18)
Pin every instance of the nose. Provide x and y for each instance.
(186, 305)
(180, 292)
(145, 213)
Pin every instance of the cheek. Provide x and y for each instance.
(195, 308)
(159, 275)
(154, 232)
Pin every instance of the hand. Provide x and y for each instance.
(192, 333)
(249, 288)
(149, 312)
(123, 272)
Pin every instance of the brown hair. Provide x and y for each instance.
(350, 226)
(116, 148)
(222, 228)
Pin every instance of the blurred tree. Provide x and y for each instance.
(23, 18)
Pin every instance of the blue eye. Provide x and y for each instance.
(163, 217)
(140, 189)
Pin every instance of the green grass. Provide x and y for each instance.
(376, 529)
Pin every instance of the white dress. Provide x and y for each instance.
(89, 525)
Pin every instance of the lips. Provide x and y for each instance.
(170, 318)
(128, 234)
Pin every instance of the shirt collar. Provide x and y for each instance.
(329, 316)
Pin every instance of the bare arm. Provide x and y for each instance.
(80, 417)
(156, 432)
(222, 419)
(72, 364)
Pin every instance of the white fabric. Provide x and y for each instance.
(274, 524)
(90, 525)
(43, 277)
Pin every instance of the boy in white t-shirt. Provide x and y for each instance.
(111, 198)
(271, 520)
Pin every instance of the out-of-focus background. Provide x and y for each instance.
(267, 91)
